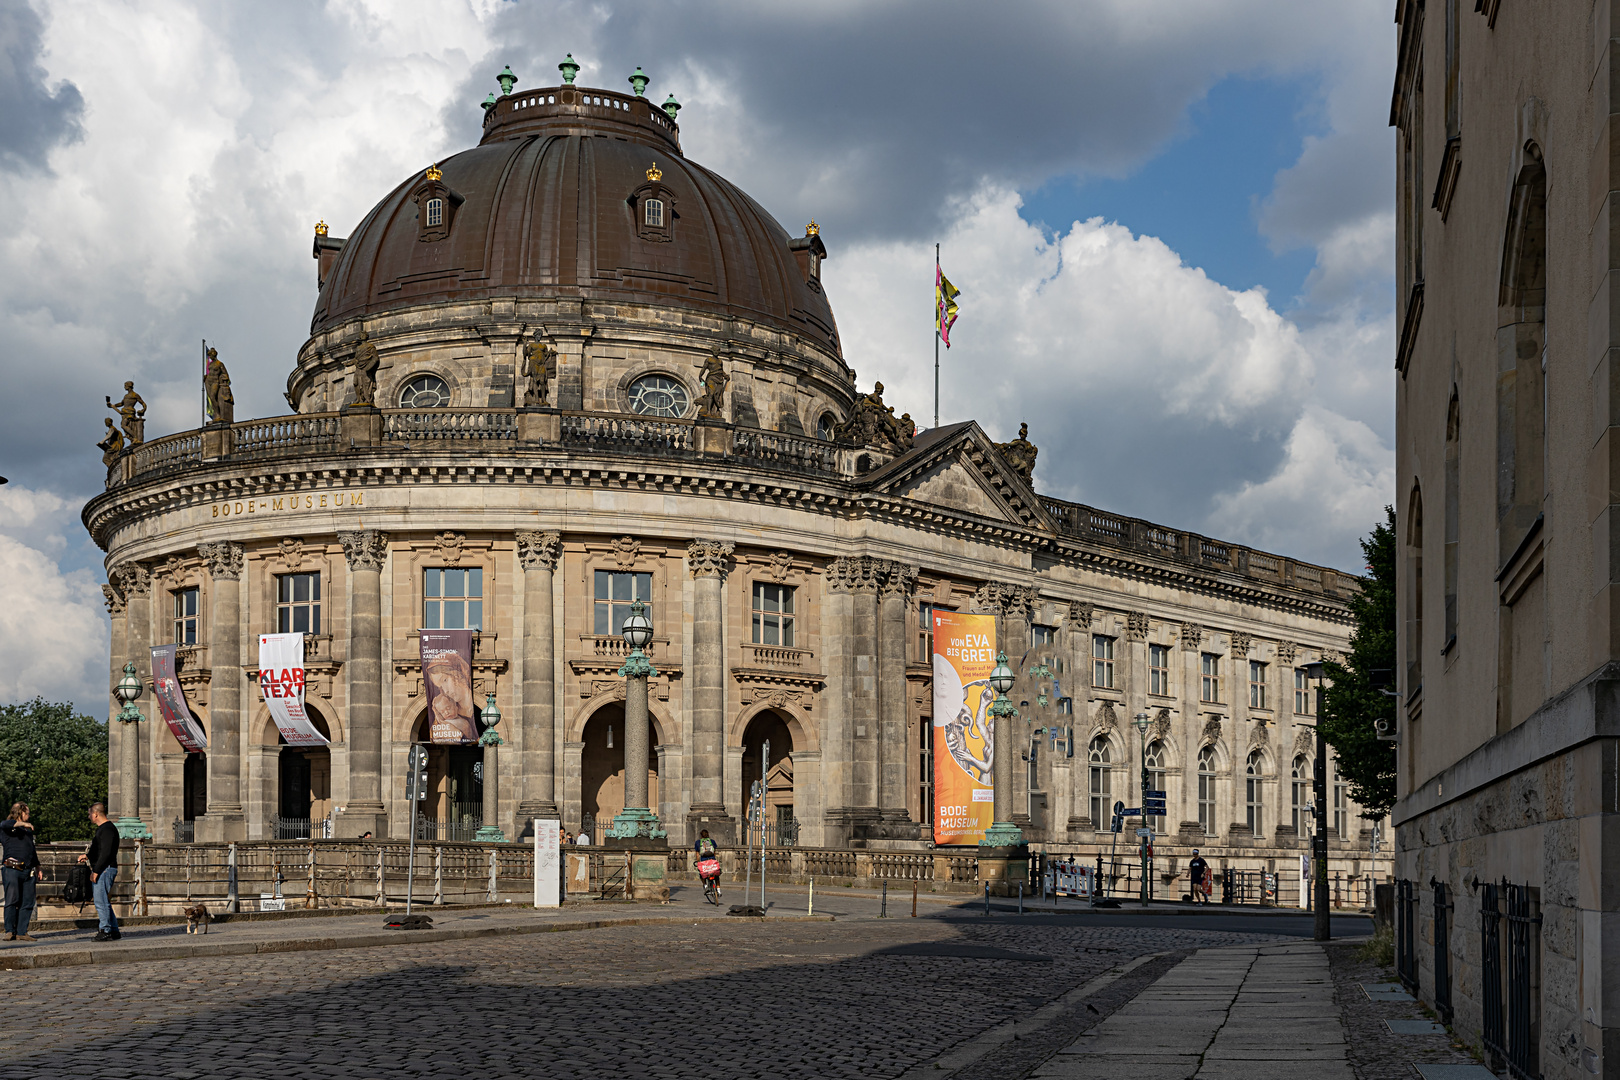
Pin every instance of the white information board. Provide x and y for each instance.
(547, 862)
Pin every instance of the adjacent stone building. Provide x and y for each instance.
(1509, 769)
(569, 369)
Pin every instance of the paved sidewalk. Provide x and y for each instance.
(1247, 1013)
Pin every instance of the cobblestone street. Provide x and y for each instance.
(863, 997)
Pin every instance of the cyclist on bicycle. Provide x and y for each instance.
(707, 851)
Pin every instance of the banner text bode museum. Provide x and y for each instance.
(335, 500)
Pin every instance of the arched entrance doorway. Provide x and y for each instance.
(454, 807)
(602, 769)
(304, 785)
(768, 726)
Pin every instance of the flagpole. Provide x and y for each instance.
(205, 383)
(937, 317)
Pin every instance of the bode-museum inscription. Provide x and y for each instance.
(335, 500)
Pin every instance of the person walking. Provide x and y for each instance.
(22, 872)
(1198, 871)
(103, 859)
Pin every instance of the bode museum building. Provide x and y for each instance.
(570, 369)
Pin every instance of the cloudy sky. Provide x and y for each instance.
(1172, 222)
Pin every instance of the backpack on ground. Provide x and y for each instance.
(76, 889)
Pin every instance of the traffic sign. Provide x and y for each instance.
(1154, 807)
(1145, 832)
(1131, 811)
(1153, 796)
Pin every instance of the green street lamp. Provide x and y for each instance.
(637, 820)
(490, 831)
(1002, 832)
(1143, 720)
(128, 690)
(569, 69)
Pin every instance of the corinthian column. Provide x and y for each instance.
(708, 561)
(837, 631)
(224, 822)
(123, 783)
(365, 551)
(864, 697)
(537, 553)
(898, 580)
(134, 582)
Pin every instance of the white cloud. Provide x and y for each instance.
(53, 628)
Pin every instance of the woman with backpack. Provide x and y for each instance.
(22, 872)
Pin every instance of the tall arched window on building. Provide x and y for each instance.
(1414, 590)
(1254, 791)
(1155, 768)
(1102, 808)
(1300, 782)
(1206, 790)
(1453, 424)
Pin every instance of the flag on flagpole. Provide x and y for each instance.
(945, 295)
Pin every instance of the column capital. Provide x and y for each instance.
(898, 579)
(114, 601)
(1191, 635)
(365, 549)
(1241, 643)
(708, 558)
(131, 579)
(224, 559)
(539, 550)
(1136, 625)
(856, 573)
(1002, 599)
(1286, 650)
(1080, 615)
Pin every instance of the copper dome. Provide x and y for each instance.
(547, 205)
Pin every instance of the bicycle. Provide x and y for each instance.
(709, 872)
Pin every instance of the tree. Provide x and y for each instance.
(55, 760)
(1351, 704)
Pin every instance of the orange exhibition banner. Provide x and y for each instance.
(964, 741)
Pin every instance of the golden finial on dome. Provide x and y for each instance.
(320, 228)
(812, 229)
(433, 172)
(655, 173)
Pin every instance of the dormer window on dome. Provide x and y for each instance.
(810, 252)
(653, 205)
(436, 204)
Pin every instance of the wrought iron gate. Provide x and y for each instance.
(1510, 1028)
(1490, 969)
(1406, 912)
(1442, 950)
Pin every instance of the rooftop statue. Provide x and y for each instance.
(112, 445)
(217, 390)
(132, 415)
(712, 402)
(1020, 454)
(539, 368)
(365, 362)
(874, 424)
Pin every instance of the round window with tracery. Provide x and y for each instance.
(658, 395)
(424, 392)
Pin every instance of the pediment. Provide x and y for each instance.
(952, 484)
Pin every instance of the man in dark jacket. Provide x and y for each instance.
(1198, 870)
(21, 871)
(103, 860)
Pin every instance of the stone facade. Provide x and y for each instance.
(1507, 419)
(720, 525)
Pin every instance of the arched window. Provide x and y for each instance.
(1206, 790)
(1155, 771)
(1300, 781)
(1254, 791)
(825, 426)
(435, 212)
(658, 395)
(1521, 345)
(654, 213)
(424, 392)
(1453, 513)
(1102, 807)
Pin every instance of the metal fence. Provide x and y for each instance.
(461, 826)
(1406, 912)
(287, 828)
(1524, 940)
(1442, 950)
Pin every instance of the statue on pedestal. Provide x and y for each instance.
(132, 415)
(712, 402)
(112, 445)
(539, 368)
(217, 390)
(365, 362)
(1020, 453)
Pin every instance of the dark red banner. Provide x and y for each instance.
(447, 679)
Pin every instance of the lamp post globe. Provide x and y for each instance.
(1001, 677)
(638, 629)
(128, 691)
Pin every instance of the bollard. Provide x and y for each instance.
(1020, 898)
(987, 899)
(883, 912)
(494, 884)
(913, 899)
(233, 902)
(811, 910)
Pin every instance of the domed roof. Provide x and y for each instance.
(553, 202)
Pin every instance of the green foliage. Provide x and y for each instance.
(1350, 705)
(1380, 948)
(55, 761)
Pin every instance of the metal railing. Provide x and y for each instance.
(290, 828)
(1442, 950)
(1493, 1026)
(1406, 913)
(462, 824)
(1524, 938)
(184, 832)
